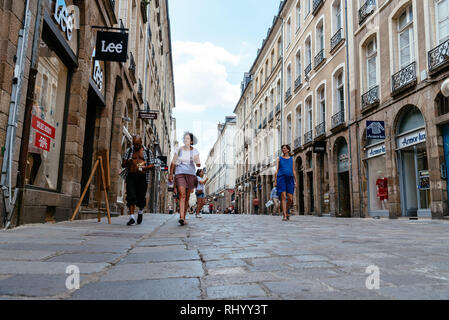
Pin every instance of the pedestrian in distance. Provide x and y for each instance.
(256, 205)
(137, 162)
(275, 198)
(285, 180)
(200, 195)
(183, 163)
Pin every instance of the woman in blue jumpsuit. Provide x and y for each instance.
(285, 180)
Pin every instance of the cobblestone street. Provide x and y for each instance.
(227, 257)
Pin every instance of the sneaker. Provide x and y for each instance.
(131, 222)
(139, 218)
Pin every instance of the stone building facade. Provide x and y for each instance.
(88, 105)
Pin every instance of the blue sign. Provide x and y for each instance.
(375, 129)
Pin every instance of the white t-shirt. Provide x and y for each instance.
(185, 164)
(200, 186)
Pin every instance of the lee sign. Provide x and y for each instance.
(111, 46)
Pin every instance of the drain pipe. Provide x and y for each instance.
(349, 119)
(9, 201)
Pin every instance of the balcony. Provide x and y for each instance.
(319, 59)
(308, 137)
(338, 120)
(288, 94)
(278, 108)
(259, 127)
(298, 82)
(307, 71)
(366, 10)
(265, 123)
(140, 88)
(132, 67)
(297, 143)
(439, 57)
(143, 10)
(271, 117)
(317, 4)
(320, 129)
(371, 98)
(337, 39)
(404, 79)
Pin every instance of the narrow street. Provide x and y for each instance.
(227, 257)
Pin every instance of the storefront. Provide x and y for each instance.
(56, 61)
(377, 180)
(414, 176)
(344, 197)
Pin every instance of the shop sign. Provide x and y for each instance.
(319, 147)
(146, 115)
(43, 127)
(424, 180)
(375, 130)
(376, 151)
(63, 18)
(42, 142)
(412, 139)
(112, 46)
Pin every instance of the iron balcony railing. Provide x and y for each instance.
(297, 142)
(336, 39)
(271, 117)
(338, 119)
(319, 58)
(278, 108)
(288, 94)
(320, 129)
(132, 63)
(370, 98)
(404, 78)
(264, 122)
(308, 137)
(140, 88)
(317, 5)
(439, 56)
(259, 127)
(298, 82)
(112, 4)
(366, 10)
(308, 69)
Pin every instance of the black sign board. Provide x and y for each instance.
(319, 147)
(375, 130)
(147, 115)
(112, 46)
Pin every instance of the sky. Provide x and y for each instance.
(214, 43)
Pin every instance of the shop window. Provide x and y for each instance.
(43, 161)
(443, 105)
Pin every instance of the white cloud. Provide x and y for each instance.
(201, 79)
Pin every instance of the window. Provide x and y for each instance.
(337, 16)
(339, 93)
(298, 16)
(273, 62)
(289, 77)
(308, 52)
(278, 90)
(272, 100)
(266, 69)
(289, 129)
(371, 64)
(298, 122)
(319, 37)
(321, 105)
(298, 64)
(307, 7)
(309, 114)
(442, 16)
(289, 32)
(279, 48)
(405, 38)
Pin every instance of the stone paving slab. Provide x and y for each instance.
(167, 289)
(76, 258)
(32, 267)
(173, 255)
(9, 255)
(235, 291)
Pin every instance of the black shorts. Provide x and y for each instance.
(136, 190)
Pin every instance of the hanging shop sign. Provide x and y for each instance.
(147, 115)
(319, 147)
(376, 151)
(97, 73)
(63, 18)
(375, 130)
(43, 127)
(112, 46)
(42, 142)
(412, 139)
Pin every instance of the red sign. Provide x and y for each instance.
(43, 127)
(42, 142)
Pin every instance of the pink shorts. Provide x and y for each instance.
(186, 180)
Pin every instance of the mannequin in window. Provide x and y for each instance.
(382, 190)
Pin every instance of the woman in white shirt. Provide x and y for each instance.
(183, 164)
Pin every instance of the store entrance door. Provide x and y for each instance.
(312, 200)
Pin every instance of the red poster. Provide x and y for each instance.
(42, 142)
(43, 127)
